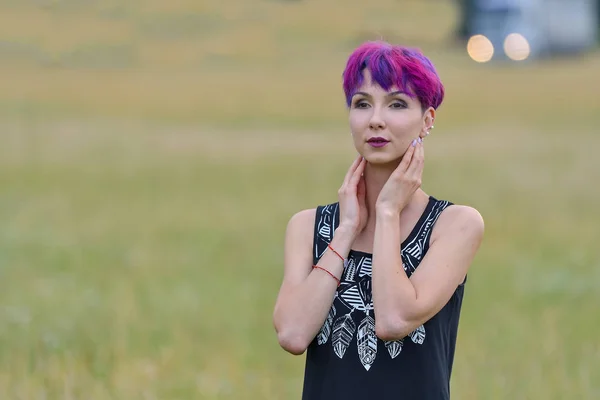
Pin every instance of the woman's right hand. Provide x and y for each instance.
(352, 198)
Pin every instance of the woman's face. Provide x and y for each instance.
(384, 123)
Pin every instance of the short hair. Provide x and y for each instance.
(390, 65)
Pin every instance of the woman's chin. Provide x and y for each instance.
(380, 159)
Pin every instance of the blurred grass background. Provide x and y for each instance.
(152, 152)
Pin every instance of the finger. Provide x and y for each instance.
(361, 189)
(357, 173)
(362, 192)
(352, 168)
(406, 159)
(416, 165)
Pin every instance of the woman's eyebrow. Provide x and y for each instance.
(365, 94)
(361, 94)
(397, 92)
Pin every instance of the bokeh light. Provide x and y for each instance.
(517, 47)
(480, 48)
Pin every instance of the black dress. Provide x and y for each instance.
(347, 361)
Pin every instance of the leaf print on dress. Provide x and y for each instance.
(325, 331)
(343, 331)
(394, 347)
(366, 342)
(418, 335)
(350, 270)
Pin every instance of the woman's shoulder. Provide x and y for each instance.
(300, 228)
(308, 215)
(462, 212)
(306, 220)
(302, 221)
(459, 219)
(303, 216)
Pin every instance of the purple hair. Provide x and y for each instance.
(406, 68)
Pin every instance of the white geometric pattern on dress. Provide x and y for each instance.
(418, 335)
(325, 331)
(366, 342)
(355, 293)
(394, 347)
(343, 332)
(365, 267)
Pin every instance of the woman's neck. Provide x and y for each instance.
(375, 178)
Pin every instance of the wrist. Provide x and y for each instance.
(343, 239)
(345, 234)
(386, 212)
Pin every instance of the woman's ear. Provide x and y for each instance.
(428, 119)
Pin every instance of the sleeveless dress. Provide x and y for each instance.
(347, 361)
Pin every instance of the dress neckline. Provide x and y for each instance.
(413, 232)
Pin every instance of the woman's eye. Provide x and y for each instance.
(361, 104)
(399, 104)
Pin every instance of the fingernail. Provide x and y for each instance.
(414, 142)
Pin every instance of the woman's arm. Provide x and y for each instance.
(402, 304)
(306, 294)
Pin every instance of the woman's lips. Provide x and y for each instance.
(377, 142)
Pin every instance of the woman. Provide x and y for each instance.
(373, 284)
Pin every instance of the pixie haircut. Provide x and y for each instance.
(406, 68)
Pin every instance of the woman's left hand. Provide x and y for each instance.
(404, 181)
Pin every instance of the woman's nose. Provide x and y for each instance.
(376, 122)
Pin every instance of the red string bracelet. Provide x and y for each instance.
(338, 254)
(332, 275)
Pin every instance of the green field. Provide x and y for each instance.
(152, 153)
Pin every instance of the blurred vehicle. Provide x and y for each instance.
(528, 29)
